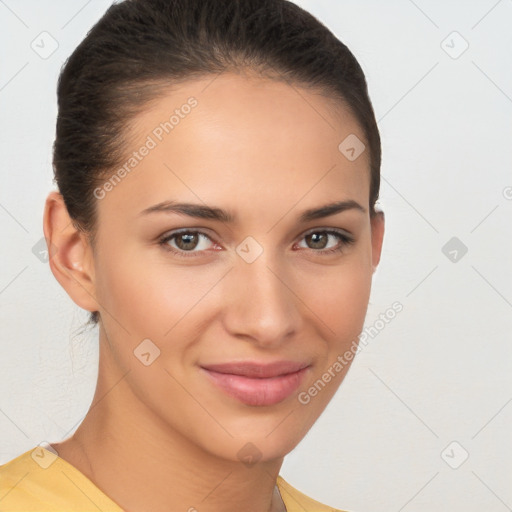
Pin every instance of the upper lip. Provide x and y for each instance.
(257, 370)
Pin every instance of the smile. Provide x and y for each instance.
(257, 384)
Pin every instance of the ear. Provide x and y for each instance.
(377, 227)
(70, 253)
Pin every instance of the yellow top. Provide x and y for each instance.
(41, 481)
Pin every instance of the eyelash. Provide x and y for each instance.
(344, 238)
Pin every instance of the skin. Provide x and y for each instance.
(163, 437)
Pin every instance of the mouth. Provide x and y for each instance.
(257, 384)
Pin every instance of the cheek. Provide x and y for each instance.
(340, 302)
(147, 296)
(346, 303)
(339, 298)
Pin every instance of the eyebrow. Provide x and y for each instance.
(213, 213)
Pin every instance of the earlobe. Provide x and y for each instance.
(377, 226)
(71, 257)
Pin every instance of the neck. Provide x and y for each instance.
(142, 464)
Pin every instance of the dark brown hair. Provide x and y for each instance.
(140, 48)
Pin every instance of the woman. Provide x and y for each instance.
(217, 164)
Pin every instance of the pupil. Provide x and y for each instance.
(188, 238)
(316, 238)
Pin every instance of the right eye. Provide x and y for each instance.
(185, 241)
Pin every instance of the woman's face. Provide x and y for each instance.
(231, 329)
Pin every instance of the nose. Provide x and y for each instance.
(261, 305)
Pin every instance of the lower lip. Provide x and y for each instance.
(252, 391)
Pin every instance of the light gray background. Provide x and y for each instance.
(438, 373)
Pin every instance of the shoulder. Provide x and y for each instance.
(40, 481)
(296, 501)
(20, 482)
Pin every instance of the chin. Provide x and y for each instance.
(264, 436)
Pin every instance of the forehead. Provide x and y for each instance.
(244, 136)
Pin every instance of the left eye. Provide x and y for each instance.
(319, 240)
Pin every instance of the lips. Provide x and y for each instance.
(257, 384)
